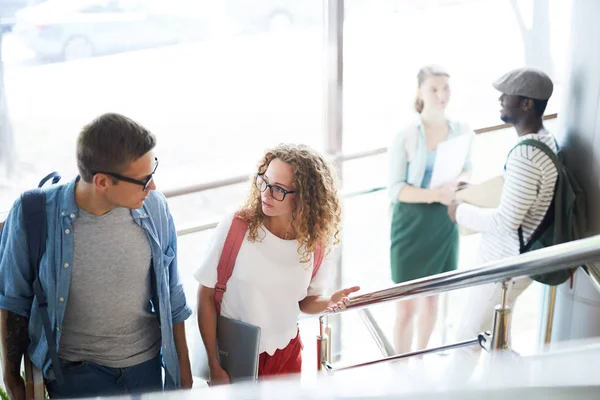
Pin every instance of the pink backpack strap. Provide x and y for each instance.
(319, 255)
(231, 248)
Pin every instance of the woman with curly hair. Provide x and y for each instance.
(292, 213)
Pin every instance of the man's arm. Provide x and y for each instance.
(16, 294)
(14, 339)
(179, 311)
(521, 183)
(207, 323)
(179, 308)
(185, 369)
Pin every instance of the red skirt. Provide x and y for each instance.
(284, 361)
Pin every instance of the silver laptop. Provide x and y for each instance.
(238, 345)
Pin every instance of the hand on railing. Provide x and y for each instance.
(339, 300)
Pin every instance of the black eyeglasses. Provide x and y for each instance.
(144, 183)
(277, 192)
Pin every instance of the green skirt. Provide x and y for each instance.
(424, 241)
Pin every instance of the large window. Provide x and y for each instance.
(476, 40)
(217, 82)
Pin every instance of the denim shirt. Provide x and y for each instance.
(16, 278)
(407, 156)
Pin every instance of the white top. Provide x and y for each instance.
(529, 183)
(267, 283)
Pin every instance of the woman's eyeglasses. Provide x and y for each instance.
(277, 192)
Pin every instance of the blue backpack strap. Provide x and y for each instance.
(53, 175)
(34, 213)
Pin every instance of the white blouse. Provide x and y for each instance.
(267, 283)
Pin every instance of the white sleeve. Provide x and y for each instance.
(466, 130)
(521, 185)
(320, 283)
(206, 275)
(397, 166)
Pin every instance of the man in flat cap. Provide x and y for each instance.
(529, 181)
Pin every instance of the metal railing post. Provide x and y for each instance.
(502, 316)
(550, 318)
(323, 344)
(320, 340)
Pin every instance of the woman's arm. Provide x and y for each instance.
(397, 167)
(411, 194)
(400, 191)
(445, 194)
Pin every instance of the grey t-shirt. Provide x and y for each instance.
(108, 318)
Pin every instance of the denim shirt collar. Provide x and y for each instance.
(67, 201)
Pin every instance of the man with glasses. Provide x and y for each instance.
(115, 302)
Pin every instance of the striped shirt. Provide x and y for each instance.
(529, 182)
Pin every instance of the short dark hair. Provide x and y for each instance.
(109, 143)
(538, 105)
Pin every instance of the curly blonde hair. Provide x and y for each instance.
(317, 216)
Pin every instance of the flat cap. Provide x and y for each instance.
(527, 82)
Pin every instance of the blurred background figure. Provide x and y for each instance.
(424, 241)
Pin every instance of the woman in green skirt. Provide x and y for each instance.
(424, 241)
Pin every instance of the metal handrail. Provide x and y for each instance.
(384, 345)
(433, 350)
(383, 150)
(577, 253)
(211, 225)
(196, 228)
(546, 260)
(337, 157)
(201, 187)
